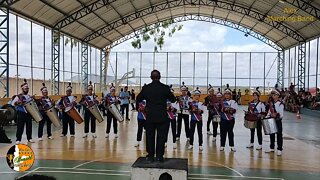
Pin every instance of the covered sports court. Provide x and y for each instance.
(99, 25)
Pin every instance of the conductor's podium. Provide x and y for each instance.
(171, 168)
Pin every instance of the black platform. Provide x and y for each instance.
(169, 163)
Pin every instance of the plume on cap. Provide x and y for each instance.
(257, 91)
(43, 88)
(112, 87)
(227, 90)
(171, 89)
(90, 84)
(197, 91)
(183, 87)
(24, 84)
(210, 88)
(69, 87)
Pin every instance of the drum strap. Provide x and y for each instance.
(255, 106)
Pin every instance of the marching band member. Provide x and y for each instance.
(111, 98)
(275, 111)
(87, 100)
(65, 104)
(23, 116)
(216, 112)
(228, 109)
(256, 107)
(196, 109)
(172, 110)
(141, 121)
(208, 101)
(44, 104)
(183, 112)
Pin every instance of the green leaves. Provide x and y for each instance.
(158, 32)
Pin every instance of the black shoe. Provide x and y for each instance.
(150, 159)
(160, 159)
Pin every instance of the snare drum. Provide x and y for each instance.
(250, 124)
(269, 126)
(184, 111)
(216, 118)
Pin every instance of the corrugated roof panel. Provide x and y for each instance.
(108, 14)
(220, 13)
(235, 17)
(92, 21)
(66, 6)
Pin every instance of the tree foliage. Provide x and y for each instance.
(158, 32)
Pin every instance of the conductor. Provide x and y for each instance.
(156, 95)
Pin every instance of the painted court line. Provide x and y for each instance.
(28, 172)
(81, 169)
(88, 173)
(89, 162)
(228, 168)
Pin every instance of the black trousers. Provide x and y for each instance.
(185, 118)
(141, 124)
(87, 118)
(193, 125)
(41, 126)
(111, 119)
(279, 136)
(24, 118)
(162, 133)
(125, 106)
(173, 123)
(67, 121)
(214, 125)
(226, 128)
(132, 105)
(259, 133)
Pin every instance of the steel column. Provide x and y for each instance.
(301, 65)
(280, 69)
(4, 50)
(84, 66)
(103, 69)
(55, 63)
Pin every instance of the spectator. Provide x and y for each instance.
(124, 96)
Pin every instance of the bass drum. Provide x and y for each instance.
(269, 126)
(74, 114)
(116, 113)
(53, 116)
(96, 113)
(32, 108)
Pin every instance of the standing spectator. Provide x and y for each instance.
(239, 96)
(133, 99)
(124, 96)
(234, 94)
